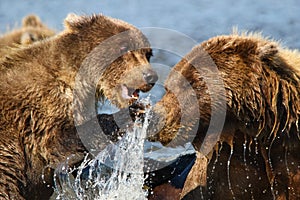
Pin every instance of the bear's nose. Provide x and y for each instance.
(150, 76)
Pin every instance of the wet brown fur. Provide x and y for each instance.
(262, 84)
(37, 128)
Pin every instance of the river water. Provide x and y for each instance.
(199, 19)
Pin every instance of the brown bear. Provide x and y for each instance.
(32, 30)
(45, 86)
(256, 155)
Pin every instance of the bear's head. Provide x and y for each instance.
(112, 61)
(32, 30)
(259, 80)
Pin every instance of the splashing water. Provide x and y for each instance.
(116, 172)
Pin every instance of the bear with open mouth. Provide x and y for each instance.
(47, 89)
(256, 155)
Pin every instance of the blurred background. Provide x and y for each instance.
(199, 19)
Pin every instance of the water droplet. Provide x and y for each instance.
(228, 172)
(256, 145)
(172, 172)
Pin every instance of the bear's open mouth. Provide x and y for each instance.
(130, 93)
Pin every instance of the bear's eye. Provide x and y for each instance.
(148, 55)
(124, 49)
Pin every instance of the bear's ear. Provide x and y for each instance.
(72, 21)
(267, 50)
(32, 21)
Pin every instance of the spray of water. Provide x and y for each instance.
(115, 173)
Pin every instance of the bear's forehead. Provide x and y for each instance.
(109, 27)
(100, 21)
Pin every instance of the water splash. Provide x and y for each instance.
(116, 172)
